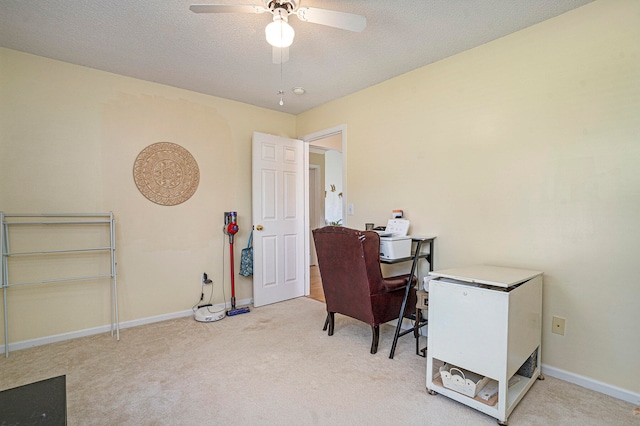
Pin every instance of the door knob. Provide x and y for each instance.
(259, 227)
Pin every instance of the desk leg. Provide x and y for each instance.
(401, 317)
(414, 266)
(416, 329)
(431, 256)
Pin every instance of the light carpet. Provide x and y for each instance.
(273, 366)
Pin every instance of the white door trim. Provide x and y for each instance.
(308, 140)
(314, 216)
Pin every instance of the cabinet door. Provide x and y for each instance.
(468, 327)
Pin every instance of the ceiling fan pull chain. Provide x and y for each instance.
(281, 92)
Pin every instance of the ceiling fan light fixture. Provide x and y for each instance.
(279, 33)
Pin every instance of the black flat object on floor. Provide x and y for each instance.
(39, 403)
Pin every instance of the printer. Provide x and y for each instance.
(394, 242)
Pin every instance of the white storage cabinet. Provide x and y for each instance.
(486, 320)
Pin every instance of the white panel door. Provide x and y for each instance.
(278, 219)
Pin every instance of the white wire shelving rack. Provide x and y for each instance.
(11, 220)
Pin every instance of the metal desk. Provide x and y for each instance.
(419, 322)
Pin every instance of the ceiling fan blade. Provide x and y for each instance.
(332, 18)
(280, 55)
(226, 8)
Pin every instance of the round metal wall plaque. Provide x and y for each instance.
(166, 173)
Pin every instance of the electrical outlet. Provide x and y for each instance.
(557, 325)
(350, 209)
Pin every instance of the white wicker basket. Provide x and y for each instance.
(463, 381)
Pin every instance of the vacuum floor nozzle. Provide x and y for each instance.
(238, 311)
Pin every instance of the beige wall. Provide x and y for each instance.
(69, 137)
(522, 152)
(318, 160)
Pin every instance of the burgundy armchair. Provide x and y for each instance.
(349, 263)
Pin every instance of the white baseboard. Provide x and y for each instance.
(595, 385)
(24, 344)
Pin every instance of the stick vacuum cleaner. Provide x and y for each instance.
(231, 229)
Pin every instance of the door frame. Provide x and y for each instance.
(308, 141)
(314, 194)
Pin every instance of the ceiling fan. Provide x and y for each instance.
(279, 33)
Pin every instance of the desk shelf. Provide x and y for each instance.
(426, 256)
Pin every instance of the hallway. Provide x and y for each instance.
(315, 284)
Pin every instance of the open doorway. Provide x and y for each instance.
(326, 192)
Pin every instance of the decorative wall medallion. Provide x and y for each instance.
(166, 173)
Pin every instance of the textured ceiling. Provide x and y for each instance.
(226, 55)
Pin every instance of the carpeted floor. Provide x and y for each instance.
(273, 366)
